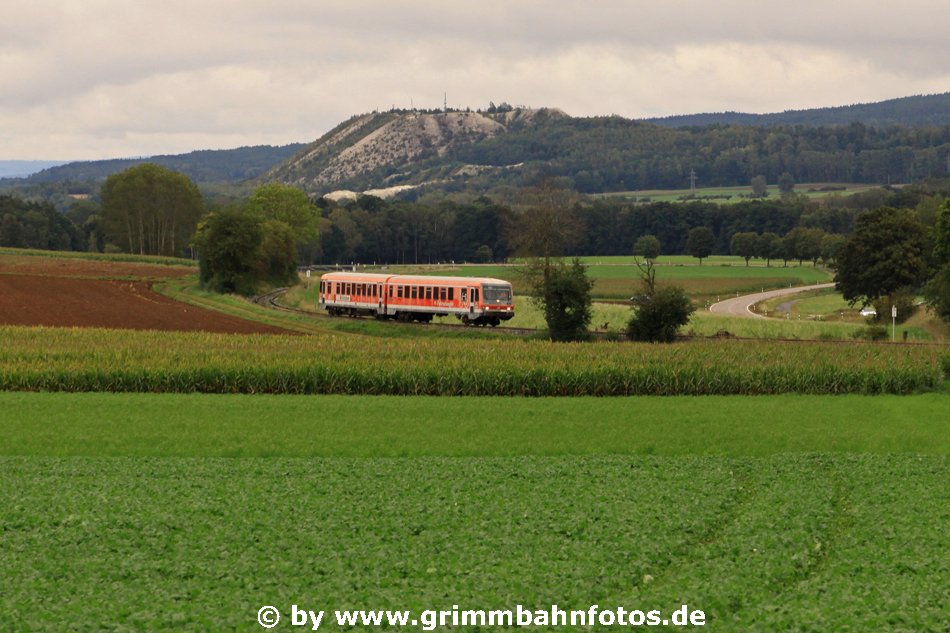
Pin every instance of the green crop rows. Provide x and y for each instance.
(782, 543)
(38, 359)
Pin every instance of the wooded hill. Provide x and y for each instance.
(910, 111)
(487, 149)
(896, 141)
(202, 166)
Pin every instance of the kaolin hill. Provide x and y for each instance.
(374, 147)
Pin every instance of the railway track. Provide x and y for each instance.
(271, 300)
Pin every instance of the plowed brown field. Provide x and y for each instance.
(73, 293)
(70, 267)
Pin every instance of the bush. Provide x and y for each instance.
(566, 301)
(659, 312)
(658, 317)
(871, 333)
(903, 299)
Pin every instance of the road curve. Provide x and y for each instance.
(742, 306)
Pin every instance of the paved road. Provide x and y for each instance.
(742, 306)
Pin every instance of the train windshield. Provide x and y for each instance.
(496, 294)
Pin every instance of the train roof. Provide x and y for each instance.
(410, 279)
(422, 279)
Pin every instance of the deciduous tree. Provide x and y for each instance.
(647, 247)
(229, 251)
(150, 210)
(886, 253)
(700, 243)
(276, 201)
(745, 245)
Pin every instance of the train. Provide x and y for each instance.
(476, 301)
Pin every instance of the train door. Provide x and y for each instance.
(379, 297)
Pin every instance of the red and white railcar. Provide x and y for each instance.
(473, 300)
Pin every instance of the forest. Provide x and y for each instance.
(614, 154)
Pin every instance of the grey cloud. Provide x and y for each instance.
(155, 72)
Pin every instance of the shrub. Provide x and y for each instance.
(659, 312)
(871, 333)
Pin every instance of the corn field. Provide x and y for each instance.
(51, 359)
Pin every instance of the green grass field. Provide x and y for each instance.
(618, 278)
(731, 195)
(355, 504)
(196, 425)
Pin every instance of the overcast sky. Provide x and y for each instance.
(89, 79)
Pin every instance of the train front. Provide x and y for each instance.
(497, 301)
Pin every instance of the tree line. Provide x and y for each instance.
(32, 224)
(369, 229)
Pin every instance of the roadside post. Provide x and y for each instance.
(893, 323)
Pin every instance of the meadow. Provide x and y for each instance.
(731, 195)
(618, 278)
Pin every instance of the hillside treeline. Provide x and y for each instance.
(916, 110)
(614, 154)
(202, 166)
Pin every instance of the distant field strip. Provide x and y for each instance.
(50, 359)
(201, 544)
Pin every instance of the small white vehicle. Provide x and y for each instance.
(868, 311)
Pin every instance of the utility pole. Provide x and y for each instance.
(692, 180)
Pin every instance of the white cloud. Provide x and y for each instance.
(101, 78)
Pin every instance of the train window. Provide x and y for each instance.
(390, 291)
(398, 291)
(451, 294)
(464, 295)
(415, 292)
(443, 294)
(428, 293)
